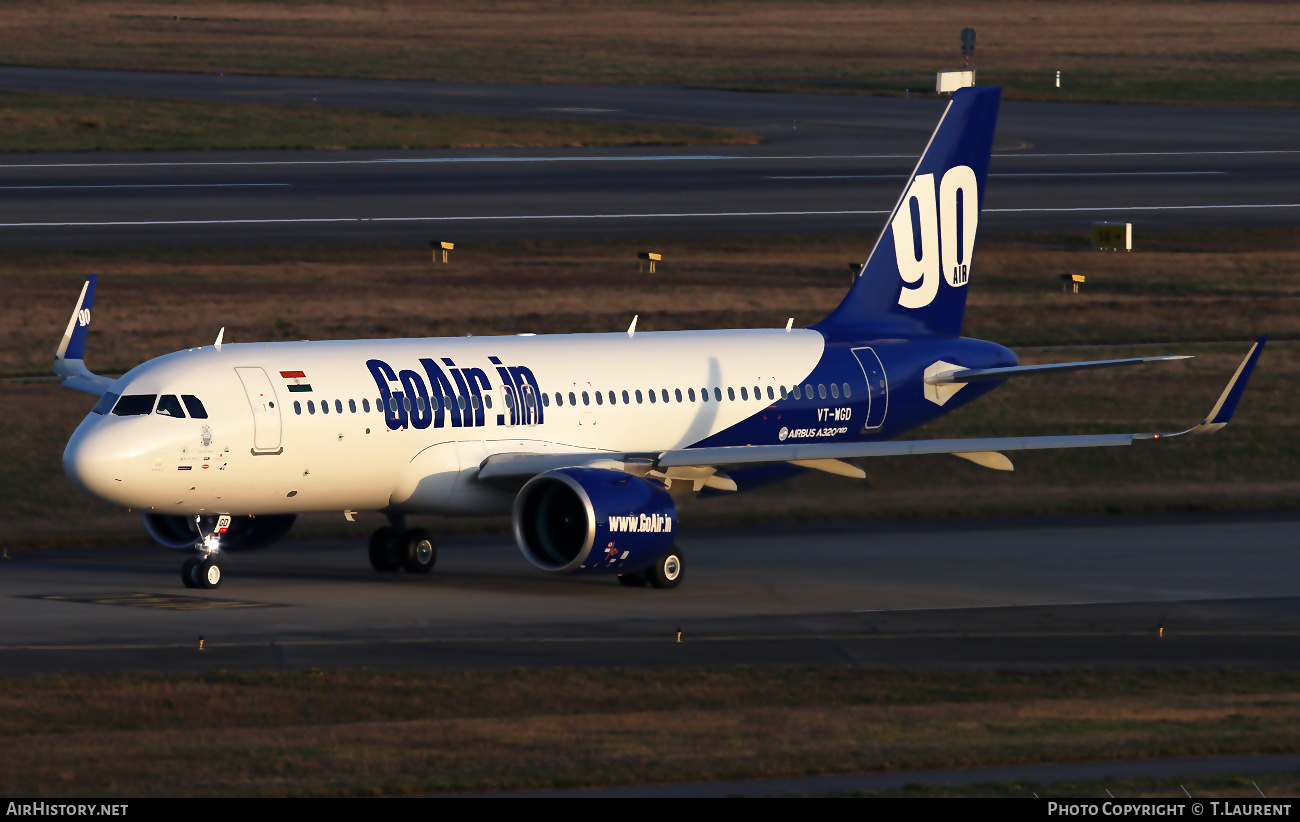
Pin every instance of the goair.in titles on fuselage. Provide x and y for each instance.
(442, 394)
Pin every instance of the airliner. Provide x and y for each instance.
(589, 441)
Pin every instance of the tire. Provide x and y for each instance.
(667, 572)
(187, 572)
(208, 574)
(383, 550)
(417, 551)
(637, 580)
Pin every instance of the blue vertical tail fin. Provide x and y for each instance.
(914, 282)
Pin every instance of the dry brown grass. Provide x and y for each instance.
(1244, 52)
(350, 732)
(1173, 297)
(81, 122)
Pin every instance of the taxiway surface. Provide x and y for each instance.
(1223, 590)
(830, 164)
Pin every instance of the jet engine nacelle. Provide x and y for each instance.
(179, 531)
(593, 521)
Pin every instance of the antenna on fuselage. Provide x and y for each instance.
(220, 334)
(631, 329)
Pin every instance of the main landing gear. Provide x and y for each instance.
(665, 573)
(204, 571)
(396, 547)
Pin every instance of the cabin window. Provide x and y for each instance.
(626, 399)
(638, 396)
(510, 400)
(731, 393)
(770, 394)
(474, 401)
(546, 400)
(311, 407)
(704, 394)
(325, 406)
(297, 408)
(690, 394)
(338, 405)
(599, 399)
(487, 400)
(677, 393)
(653, 397)
(365, 405)
(795, 393)
(379, 405)
(586, 400)
(807, 390)
(835, 391)
(192, 405)
(613, 400)
(352, 406)
(717, 394)
(784, 393)
(758, 393)
(529, 399)
(559, 399)
(821, 390)
(133, 405)
(665, 393)
(573, 399)
(419, 404)
(406, 404)
(744, 395)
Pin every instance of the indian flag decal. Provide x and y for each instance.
(299, 384)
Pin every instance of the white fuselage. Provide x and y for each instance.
(280, 444)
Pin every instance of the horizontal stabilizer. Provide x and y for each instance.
(965, 375)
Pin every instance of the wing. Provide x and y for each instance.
(700, 464)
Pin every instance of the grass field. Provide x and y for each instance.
(348, 733)
(1176, 293)
(1144, 50)
(77, 122)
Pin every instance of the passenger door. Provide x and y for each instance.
(877, 387)
(266, 411)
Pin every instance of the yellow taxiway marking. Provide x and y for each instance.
(169, 602)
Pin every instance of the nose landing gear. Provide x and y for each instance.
(204, 571)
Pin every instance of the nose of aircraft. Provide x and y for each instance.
(95, 459)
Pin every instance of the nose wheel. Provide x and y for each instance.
(204, 571)
(201, 572)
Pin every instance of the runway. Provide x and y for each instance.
(1162, 592)
(830, 164)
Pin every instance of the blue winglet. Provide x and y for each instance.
(73, 346)
(1227, 404)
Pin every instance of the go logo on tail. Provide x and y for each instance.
(932, 235)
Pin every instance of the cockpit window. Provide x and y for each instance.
(169, 406)
(105, 403)
(196, 409)
(133, 405)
